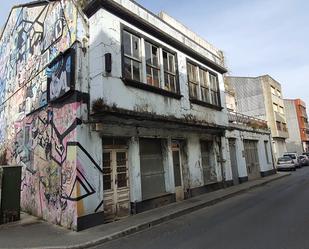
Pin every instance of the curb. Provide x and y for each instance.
(149, 224)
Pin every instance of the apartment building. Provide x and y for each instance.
(297, 123)
(111, 110)
(262, 98)
(249, 143)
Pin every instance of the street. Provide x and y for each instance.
(275, 216)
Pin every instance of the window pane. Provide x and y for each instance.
(204, 94)
(136, 45)
(193, 90)
(165, 61)
(166, 81)
(155, 57)
(136, 71)
(172, 79)
(192, 73)
(203, 77)
(156, 77)
(147, 53)
(171, 59)
(122, 180)
(127, 43)
(127, 68)
(149, 75)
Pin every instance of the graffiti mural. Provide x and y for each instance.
(37, 62)
(60, 75)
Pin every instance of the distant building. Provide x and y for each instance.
(297, 123)
(261, 97)
(249, 142)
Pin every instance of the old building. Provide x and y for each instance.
(249, 143)
(261, 97)
(297, 123)
(111, 110)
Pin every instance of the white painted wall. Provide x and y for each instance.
(105, 37)
(241, 161)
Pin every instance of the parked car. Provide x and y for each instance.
(303, 160)
(294, 157)
(286, 163)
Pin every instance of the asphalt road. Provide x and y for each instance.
(275, 216)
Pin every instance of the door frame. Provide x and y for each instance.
(179, 190)
(114, 191)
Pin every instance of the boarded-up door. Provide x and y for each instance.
(232, 146)
(252, 159)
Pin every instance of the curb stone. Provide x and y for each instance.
(149, 224)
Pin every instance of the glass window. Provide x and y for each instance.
(278, 125)
(275, 107)
(214, 90)
(203, 85)
(193, 81)
(152, 64)
(169, 66)
(132, 57)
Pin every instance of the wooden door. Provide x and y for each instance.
(115, 185)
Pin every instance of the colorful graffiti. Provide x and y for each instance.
(37, 58)
(60, 75)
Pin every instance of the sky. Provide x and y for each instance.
(258, 36)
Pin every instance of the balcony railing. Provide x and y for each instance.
(252, 122)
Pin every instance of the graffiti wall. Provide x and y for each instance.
(38, 129)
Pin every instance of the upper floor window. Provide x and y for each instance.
(278, 124)
(275, 107)
(132, 56)
(279, 93)
(169, 66)
(149, 64)
(281, 109)
(273, 90)
(152, 64)
(203, 85)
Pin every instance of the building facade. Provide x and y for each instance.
(297, 124)
(111, 111)
(261, 97)
(249, 143)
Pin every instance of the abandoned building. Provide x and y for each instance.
(112, 110)
(249, 140)
(262, 98)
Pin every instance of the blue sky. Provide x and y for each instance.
(257, 36)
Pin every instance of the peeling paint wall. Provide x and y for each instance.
(58, 172)
(240, 136)
(105, 37)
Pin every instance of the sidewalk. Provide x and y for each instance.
(31, 232)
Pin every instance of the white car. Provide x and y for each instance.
(286, 163)
(294, 157)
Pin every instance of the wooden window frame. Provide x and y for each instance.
(142, 84)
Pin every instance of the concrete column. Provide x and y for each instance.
(195, 162)
(134, 170)
(225, 160)
(168, 166)
(240, 154)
